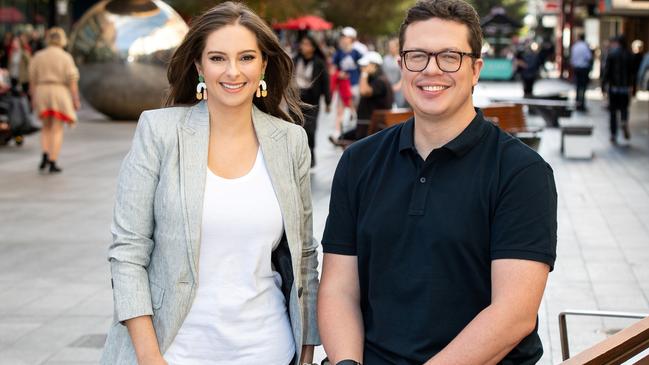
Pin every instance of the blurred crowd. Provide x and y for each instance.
(622, 70)
(355, 78)
(16, 52)
(38, 90)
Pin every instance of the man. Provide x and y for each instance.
(356, 44)
(393, 71)
(643, 73)
(529, 64)
(441, 230)
(581, 60)
(376, 93)
(345, 61)
(617, 80)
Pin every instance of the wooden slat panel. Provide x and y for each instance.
(509, 117)
(617, 348)
(385, 118)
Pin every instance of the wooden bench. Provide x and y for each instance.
(614, 350)
(386, 118)
(381, 119)
(511, 119)
(550, 108)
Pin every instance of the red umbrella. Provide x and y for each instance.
(311, 22)
(11, 15)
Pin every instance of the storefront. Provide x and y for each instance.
(599, 20)
(628, 17)
(25, 15)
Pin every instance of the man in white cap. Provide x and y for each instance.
(345, 60)
(356, 44)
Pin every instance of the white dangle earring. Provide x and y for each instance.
(262, 89)
(201, 89)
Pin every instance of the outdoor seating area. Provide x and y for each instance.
(511, 118)
(549, 107)
(381, 119)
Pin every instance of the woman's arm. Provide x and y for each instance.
(31, 71)
(74, 90)
(364, 85)
(309, 270)
(144, 341)
(72, 77)
(324, 84)
(307, 354)
(132, 230)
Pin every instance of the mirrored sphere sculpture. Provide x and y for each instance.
(122, 48)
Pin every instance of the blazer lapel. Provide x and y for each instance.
(274, 146)
(193, 137)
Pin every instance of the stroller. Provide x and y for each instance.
(15, 119)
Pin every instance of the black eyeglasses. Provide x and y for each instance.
(447, 61)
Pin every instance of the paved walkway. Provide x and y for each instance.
(55, 299)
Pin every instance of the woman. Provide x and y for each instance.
(55, 95)
(213, 260)
(19, 57)
(5, 49)
(313, 80)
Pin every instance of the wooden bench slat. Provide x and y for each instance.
(386, 118)
(617, 348)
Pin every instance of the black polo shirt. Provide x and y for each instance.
(425, 233)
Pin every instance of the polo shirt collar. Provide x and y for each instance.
(459, 146)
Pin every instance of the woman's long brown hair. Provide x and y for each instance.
(182, 74)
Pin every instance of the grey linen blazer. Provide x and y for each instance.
(157, 224)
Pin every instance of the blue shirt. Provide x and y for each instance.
(580, 55)
(348, 62)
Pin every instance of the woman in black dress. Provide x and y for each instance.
(313, 80)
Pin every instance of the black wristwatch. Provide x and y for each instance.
(348, 362)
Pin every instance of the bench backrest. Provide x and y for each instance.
(386, 118)
(509, 117)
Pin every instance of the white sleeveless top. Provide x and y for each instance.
(239, 315)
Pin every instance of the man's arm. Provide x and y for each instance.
(364, 86)
(605, 78)
(517, 289)
(339, 312)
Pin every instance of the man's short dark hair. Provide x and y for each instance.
(455, 10)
